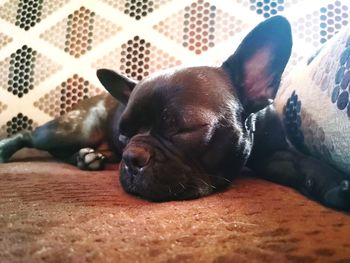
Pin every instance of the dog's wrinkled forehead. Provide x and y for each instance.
(183, 86)
(178, 92)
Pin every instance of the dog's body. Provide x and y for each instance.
(185, 133)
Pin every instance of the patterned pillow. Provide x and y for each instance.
(313, 102)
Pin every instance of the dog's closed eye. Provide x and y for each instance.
(191, 128)
(203, 131)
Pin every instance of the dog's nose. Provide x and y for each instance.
(136, 158)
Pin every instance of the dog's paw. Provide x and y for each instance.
(88, 159)
(339, 196)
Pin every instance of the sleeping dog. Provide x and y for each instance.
(187, 132)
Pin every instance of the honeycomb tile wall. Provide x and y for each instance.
(3, 107)
(25, 14)
(65, 96)
(4, 40)
(24, 69)
(333, 17)
(199, 26)
(44, 68)
(43, 43)
(161, 60)
(21, 74)
(48, 7)
(137, 59)
(200, 22)
(28, 13)
(136, 9)
(267, 8)
(8, 11)
(17, 123)
(170, 27)
(56, 35)
(316, 27)
(227, 26)
(118, 5)
(79, 32)
(307, 28)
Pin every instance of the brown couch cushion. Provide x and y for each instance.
(53, 212)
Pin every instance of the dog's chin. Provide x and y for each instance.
(150, 186)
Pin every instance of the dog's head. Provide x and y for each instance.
(187, 132)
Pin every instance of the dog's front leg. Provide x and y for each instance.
(308, 175)
(9, 146)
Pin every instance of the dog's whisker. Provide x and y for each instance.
(227, 180)
(183, 187)
(220, 178)
(204, 182)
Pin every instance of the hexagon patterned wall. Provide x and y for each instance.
(50, 50)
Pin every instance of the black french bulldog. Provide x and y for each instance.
(185, 133)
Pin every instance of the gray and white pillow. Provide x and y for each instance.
(313, 102)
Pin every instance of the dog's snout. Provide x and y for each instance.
(136, 158)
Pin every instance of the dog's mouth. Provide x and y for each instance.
(159, 183)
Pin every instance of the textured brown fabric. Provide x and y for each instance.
(52, 212)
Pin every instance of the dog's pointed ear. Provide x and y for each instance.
(256, 67)
(117, 85)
